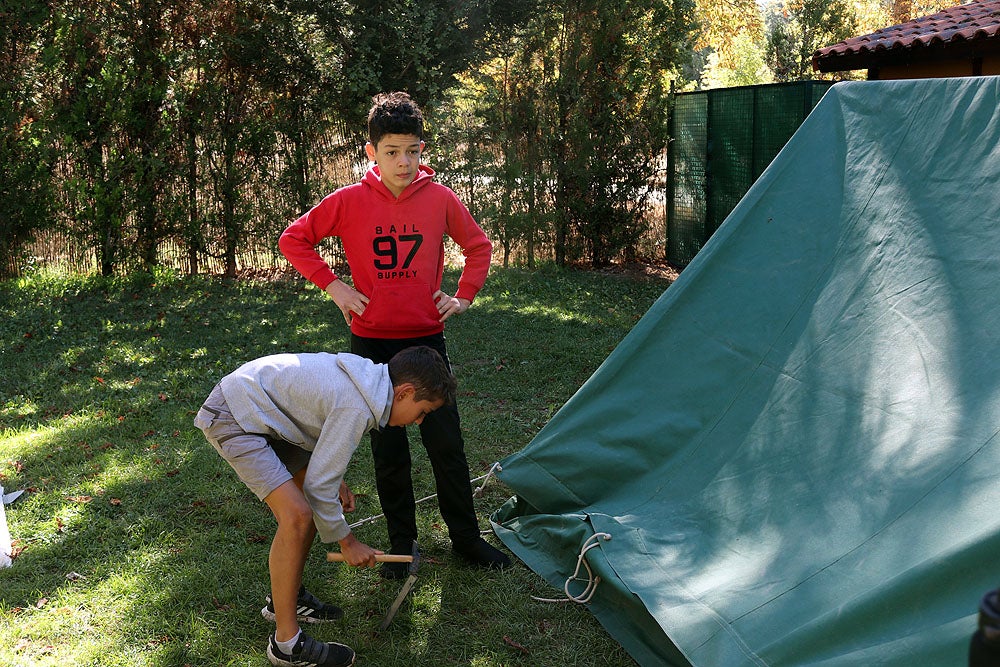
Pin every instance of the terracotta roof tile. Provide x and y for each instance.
(973, 21)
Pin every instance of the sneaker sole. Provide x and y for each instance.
(275, 660)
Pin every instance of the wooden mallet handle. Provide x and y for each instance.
(337, 557)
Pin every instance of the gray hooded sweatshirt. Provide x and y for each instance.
(321, 402)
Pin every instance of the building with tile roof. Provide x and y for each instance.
(957, 41)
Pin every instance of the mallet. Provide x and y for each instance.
(337, 557)
(414, 561)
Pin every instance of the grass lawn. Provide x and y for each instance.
(137, 545)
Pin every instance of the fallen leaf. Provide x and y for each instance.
(510, 642)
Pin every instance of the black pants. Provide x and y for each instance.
(441, 434)
(984, 650)
(982, 654)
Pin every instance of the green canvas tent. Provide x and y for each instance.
(794, 453)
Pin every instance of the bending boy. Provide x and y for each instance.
(392, 226)
(288, 425)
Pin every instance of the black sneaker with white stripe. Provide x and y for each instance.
(310, 653)
(309, 609)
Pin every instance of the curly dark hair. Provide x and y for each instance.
(394, 113)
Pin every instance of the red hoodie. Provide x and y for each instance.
(395, 248)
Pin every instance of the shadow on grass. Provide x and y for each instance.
(139, 545)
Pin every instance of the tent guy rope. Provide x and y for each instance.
(592, 581)
(477, 493)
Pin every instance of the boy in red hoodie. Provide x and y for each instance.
(392, 227)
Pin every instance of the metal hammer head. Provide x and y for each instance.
(415, 563)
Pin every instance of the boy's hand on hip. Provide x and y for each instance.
(449, 305)
(348, 299)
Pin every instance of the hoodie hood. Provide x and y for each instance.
(372, 381)
(373, 179)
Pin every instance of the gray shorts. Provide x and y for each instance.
(263, 463)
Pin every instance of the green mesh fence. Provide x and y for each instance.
(722, 140)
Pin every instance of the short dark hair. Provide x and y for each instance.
(394, 113)
(427, 371)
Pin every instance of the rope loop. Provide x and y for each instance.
(588, 592)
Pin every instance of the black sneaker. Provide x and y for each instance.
(310, 653)
(482, 554)
(309, 609)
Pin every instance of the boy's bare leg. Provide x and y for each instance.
(289, 549)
